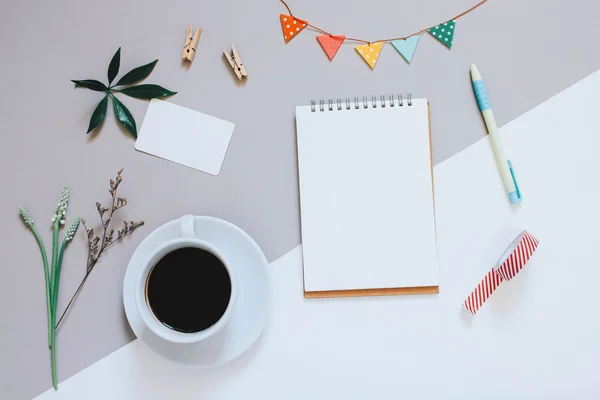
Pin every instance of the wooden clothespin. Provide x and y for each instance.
(191, 42)
(236, 63)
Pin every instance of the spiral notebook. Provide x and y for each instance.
(366, 197)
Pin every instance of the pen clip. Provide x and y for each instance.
(514, 178)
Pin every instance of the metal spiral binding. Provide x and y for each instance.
(365, 102)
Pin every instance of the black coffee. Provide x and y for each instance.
(188, 290)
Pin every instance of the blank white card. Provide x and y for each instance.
(366, 197)
(185, 136)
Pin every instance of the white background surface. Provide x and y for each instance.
(366, 197)
(535, 338)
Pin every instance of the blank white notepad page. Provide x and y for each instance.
(366, 197)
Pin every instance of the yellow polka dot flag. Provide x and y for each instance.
(370, 52)
(444, 32)
(291, 26)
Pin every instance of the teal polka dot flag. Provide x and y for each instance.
(444, 32)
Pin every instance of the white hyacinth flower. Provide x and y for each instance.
(61, 208)
(26, 217)
(72, 229)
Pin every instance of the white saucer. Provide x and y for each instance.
(251, 308)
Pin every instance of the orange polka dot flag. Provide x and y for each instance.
(370, 50)
(291, 26)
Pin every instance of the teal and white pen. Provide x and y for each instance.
(504, 164)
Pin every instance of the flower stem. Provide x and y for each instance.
(53, 275)
(53, 356)
(56, 282)
(47, 278)
(87, 274)
(54, 302)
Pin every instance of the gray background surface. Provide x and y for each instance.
(526, 50)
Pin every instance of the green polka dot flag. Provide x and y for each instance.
(444, 32)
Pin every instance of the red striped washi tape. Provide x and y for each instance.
(512, 261)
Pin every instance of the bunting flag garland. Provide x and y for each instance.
(370, 52)
(331, 44)
(444, 32)
(407, 47)
(291, 26)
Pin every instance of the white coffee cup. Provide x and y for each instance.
(187, 239)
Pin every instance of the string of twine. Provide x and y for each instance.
(482, 2)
